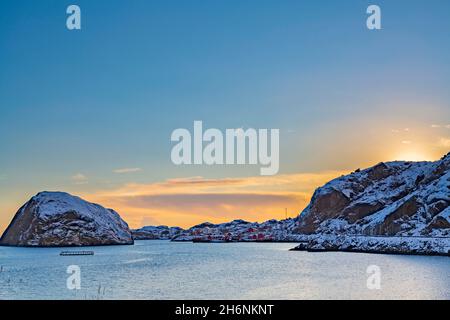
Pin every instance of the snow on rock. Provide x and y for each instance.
(156, 233)
(402, 200)
(368, 244)
(60, 219)
(240, 231)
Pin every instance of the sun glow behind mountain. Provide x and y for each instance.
(414, 156)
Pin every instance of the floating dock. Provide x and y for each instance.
(76, 253)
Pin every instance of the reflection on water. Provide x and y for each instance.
(168, 270)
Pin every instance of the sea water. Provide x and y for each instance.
(184, 270)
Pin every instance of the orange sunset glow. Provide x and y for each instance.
(189, 201)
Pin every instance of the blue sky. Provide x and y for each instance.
(89, 102)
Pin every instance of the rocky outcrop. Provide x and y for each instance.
(403, 200)
(390, 199)
(156, 233)
(60, 219)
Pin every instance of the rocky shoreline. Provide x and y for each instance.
(431, 246)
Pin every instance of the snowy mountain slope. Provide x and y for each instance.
(395, 199)
(60, 219)
(389, 199)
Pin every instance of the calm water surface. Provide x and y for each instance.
(170, 270)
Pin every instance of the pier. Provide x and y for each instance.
(76, 253)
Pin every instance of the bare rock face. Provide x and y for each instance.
(323, 207)
(390, 199)
(60, 219)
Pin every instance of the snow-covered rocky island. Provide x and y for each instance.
(60, 219)
(395, 207)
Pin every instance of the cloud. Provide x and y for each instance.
(192, 200)
(127, 170)
(399, 130)
(444, 142)
(406, 142)
(435, 126)
(208, 200)
(79, 178)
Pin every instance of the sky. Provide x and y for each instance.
(91, 111)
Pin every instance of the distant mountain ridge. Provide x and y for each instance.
(156, 233)
(239, 231)
(236, 230)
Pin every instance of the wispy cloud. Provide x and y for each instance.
(406, 141)
(444, 142)
(79, 178)
(400, 130)
(436, 126)
(127, 170)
